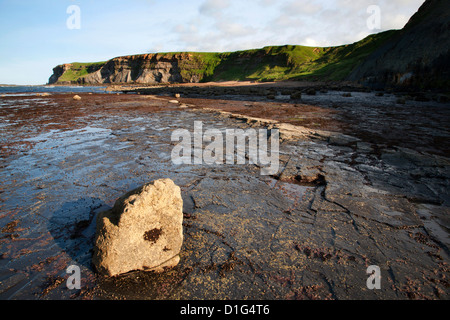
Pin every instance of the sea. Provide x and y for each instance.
(19, 90)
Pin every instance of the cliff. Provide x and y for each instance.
(145, 68)
(73, 72)
(272, 63)
(149, 68)
(416, 56)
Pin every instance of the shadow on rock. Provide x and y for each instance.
(73, 228)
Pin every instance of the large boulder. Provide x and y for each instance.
(143, 231)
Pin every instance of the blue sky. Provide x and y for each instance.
(34, 36)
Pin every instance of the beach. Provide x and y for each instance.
(363, 180)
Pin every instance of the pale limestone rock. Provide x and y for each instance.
(143, 231)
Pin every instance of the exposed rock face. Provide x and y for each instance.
(58, 71)
(146, 68)
(418, 55)
(143, 231)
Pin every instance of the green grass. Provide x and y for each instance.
(290, 62)
(266, 64)
(271, 63)
(338, 62)
(79, 70)
(201, 65)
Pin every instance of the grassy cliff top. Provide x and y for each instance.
(271, 63)
(79, 70)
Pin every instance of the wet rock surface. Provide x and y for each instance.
(339, 203)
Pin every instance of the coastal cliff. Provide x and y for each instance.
(416, 56)
(147, 68)
(272, 63)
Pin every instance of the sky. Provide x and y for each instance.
(37, 35)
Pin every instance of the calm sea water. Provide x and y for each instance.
(50, 89)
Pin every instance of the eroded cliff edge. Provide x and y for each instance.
(416, 56)
(145, 68)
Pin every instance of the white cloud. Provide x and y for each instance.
(231, 25)
(394, 21)
(234, 29)
(301, 7)
(143, 26)
(214, 7)
(267, 2)
(310, 42)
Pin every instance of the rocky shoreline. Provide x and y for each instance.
(363, 181)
